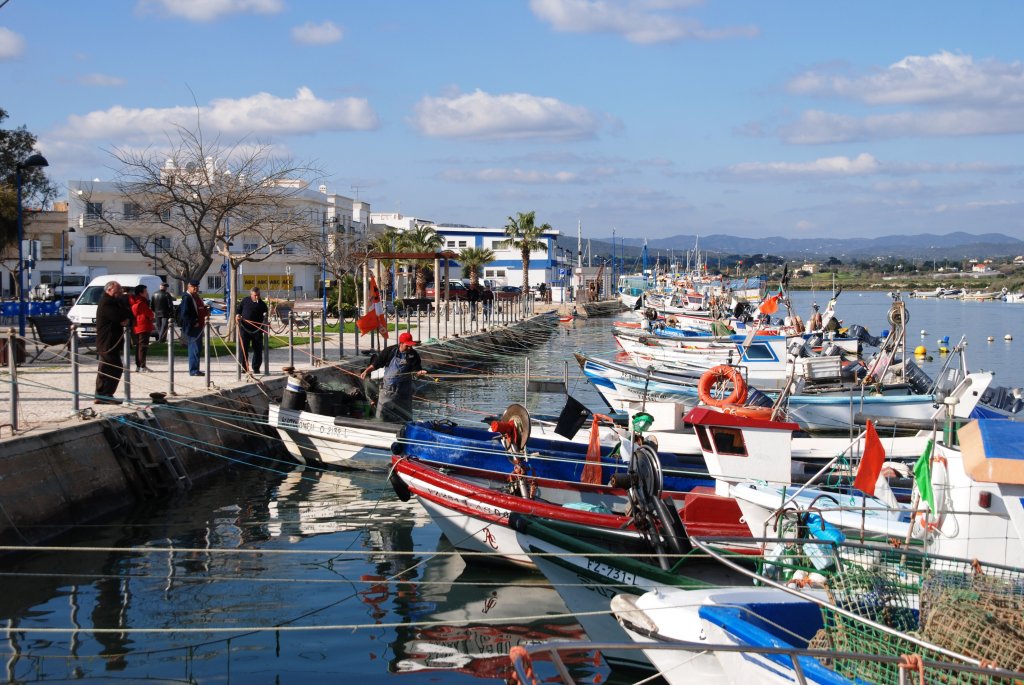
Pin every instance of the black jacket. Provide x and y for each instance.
(253, 314)
(112, 314)
(162, 304)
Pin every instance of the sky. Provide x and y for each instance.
(650, 118)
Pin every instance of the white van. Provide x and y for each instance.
(83, 313)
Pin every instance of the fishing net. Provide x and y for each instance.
(968, 608)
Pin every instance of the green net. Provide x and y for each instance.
(972, 609)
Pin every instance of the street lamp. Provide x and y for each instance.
(63, 259)
(33, 162)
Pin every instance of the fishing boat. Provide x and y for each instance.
(474, 514)
(958, 616)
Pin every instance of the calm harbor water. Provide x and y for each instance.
(280, 575)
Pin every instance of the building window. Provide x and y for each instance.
(488, 273)
(161, 244)
(290, 249)
(130, 245)
(93, 210)
(501, 245)
(132, 210)
(462, 243)
(214, 282)
(94, 243)
(250, 248)
(451, 243)
(165, 215)
(499, 273)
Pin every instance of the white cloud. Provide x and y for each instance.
(816, 127)
(209, 10)
(11, 44)
(512, 116)
(528, 176)
(942, 78)
(638, 21)
(102, 80)
(262, 113)
(316, 34)
(860, 165)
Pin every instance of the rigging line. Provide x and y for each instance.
(247, 630)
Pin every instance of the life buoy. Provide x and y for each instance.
(757, 413)
(930, 522)
(721, 374)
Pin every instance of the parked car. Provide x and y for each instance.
(508, 292)
(456, 290)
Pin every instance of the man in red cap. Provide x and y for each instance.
(400, 363)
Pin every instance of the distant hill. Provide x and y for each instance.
(958, 245)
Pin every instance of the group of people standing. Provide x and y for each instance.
(121, 310)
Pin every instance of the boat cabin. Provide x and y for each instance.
(737, 448)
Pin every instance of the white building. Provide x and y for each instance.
(293, 270)
(547, 265)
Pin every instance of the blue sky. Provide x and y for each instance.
(653, 117)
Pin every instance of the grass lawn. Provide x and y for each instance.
(219, 347)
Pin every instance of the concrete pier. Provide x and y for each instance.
(64, 467)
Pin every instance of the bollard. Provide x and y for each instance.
(462, 318)
(430, 324)
(265, 332)
(170, 357)
(206, 353)
(358, 334)
(323, 336)
(341, 332)
(313, 361)
(126, 363)
(12, 367)
(418, 332)
(240, 355)
(291, 339)
(408, 320)
(75, 394)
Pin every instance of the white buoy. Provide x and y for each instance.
(991, 338)
(1007, 337)
(923, 332)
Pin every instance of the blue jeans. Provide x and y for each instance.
(193, 351)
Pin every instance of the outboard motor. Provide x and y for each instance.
(798, 348)
(946, 383)
(920, 381)
(756, 398)
(859, 333)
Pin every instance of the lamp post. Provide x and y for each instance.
(33, 162)
(323, 264)
(63, 259)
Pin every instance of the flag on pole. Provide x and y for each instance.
(870, 462)
(374, 317)
(923, 477)
(770, 305)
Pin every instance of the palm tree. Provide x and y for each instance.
(388, 241)
(473, 260)
(421, 239)
(525, 235)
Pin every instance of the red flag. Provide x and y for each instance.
(592, 469)
(770, 304)
(374, 317)
(870, 462)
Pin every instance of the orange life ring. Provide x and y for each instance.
(720, 374)
(757, 413)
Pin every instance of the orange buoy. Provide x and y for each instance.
(757, 413)
(722, 374)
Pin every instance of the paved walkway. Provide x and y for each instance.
(46, 387)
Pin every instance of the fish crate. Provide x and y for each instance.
(820, 369)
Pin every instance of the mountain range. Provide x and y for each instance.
(957, 245)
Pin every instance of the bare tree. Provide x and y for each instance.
(340, 251)
(185, 206)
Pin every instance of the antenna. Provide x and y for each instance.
(356, 189)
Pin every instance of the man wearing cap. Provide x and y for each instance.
(251, 315)
(400, 362)
(192, 319)
(162, 305)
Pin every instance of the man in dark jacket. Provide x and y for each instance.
(400, 363)
(163, 309)
(192, 318)
(472, 297)
(112, 315)
(251, 316)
